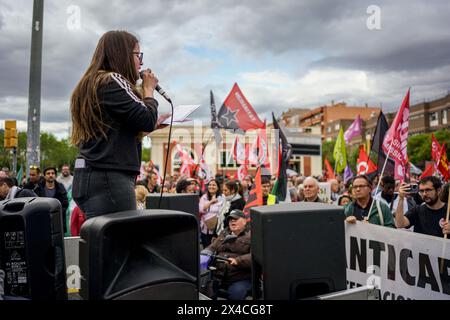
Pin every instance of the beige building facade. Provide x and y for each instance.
(306, 158)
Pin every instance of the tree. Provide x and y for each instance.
(327, 151)
(419, 146)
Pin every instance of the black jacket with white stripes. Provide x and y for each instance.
(126, 115)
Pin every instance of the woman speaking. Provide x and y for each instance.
(109, 118)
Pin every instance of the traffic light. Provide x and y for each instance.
(11, 139)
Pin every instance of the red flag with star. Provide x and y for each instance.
(237, 113)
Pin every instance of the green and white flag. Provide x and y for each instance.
(339, 153)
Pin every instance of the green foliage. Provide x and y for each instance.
(419, 149)
(353, 152)
(327, 151)
(54, 152)
(146, 154)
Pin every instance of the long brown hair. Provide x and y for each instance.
(113, 54)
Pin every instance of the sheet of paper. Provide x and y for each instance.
(181, 113)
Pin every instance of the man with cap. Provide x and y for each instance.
(233, 243)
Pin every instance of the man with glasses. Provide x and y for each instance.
(380, 213)
(429, 217)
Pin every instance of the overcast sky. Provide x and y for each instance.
(282, 54)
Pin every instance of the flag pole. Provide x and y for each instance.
(203, 151)
(224, 169)
(445, 235)
(381, 175)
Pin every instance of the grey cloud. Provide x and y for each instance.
(412, 49)
(424, 56)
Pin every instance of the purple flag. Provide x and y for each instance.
(348, 174)
(353, 130)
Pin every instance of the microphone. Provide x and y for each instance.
(159, 89)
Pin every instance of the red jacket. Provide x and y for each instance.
(76, 221)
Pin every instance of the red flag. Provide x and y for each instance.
(363, 164)
(429, 171)
(237, 113)
(330, 171)
(187, 163)
(242, 172)
(435, 148)
(255, 197)
(443, 165)
(396, 139)
(401, 171)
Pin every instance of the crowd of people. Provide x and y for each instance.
(419, 206)
(111, 115)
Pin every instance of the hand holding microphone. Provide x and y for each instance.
(150, 83)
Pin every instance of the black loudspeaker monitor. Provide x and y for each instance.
(32, 248)
(298, 250)
(186, 202)
(140, 255)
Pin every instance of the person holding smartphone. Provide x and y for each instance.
(429, 217)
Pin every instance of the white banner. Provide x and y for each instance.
(404, 265)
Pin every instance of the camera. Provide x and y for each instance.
(413, 188)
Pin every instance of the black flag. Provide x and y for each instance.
(214, 123)
(286, 152)
(377, 143)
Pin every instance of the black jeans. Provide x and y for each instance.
(98, 192)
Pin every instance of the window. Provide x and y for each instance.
(444, 116)
(224, 158)
(434, 121)
(337, 126)
(328, 129)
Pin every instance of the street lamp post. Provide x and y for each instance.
(34, 94)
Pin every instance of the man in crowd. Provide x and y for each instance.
(9, 191)
(359, 208)
(151, 182)
(65, 177)
(185, 186)
(311, 190)
(34, 178)
(266, 188)
(50, 188)
(429, 217)
(390, 197)
(234, 244)
(334, 184)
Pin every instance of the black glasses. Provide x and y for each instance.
(140, 55)
(425, 190)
